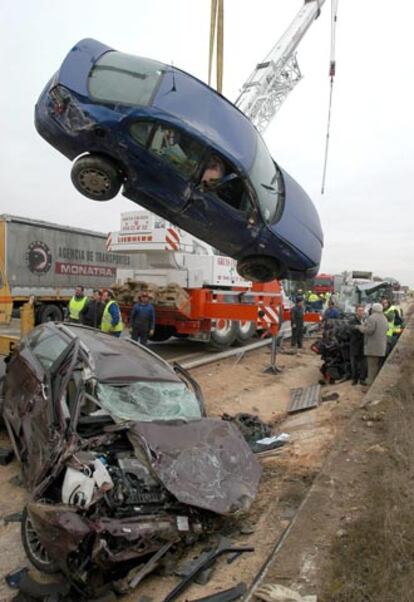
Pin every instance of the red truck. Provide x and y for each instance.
(323, 283)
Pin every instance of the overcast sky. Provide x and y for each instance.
(367, 211)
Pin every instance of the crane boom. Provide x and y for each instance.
(273, 79)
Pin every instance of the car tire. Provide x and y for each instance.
(49, 313)
(224, 334)
(259, 268)
(244, 331)
(35, 551)
(96, 177)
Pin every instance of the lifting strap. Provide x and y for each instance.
(216, 38)
(332, 72)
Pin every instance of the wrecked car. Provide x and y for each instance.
(181, 150)
(121, 462)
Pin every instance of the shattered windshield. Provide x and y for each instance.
(146, 401)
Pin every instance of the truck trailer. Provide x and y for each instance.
(47, 261)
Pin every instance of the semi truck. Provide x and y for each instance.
(47, 261)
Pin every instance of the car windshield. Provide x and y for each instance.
(267, 181)
(120, 78)
(146, 401)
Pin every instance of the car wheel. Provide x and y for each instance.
(259, 269)
(96, 177)
(34, 549)
(245, 331)
(224, 334)
(50, 313)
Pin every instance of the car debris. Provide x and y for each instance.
(37, 590)
(256, 432)
(15, 517)
(120, 460)
(13, 579)
(272, 592)
(227, 595)
(304, 398)
(6, 456)
(330, 397)
(224, 547)
(334, 350)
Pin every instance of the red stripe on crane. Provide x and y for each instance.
(171, 243)
(270, 315)
(173, 234)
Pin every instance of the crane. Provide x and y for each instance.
(271, 81)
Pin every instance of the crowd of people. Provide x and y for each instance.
(372, 333)
(101, 311)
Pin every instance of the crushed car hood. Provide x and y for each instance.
(204, 463)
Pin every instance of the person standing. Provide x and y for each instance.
(142, 319)
(297, 323)
(111, 317)
(76, 304)
(91, 314)
(375, 340)
(394, 323)
(356, 347)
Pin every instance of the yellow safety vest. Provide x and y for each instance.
(76, 306)
(106, 324)
(392, 327)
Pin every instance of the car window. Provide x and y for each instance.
(267, 181)
(146, 401)
(140, 131)
(120, 78)
(178, 149)
(233, 192)
(48, 349)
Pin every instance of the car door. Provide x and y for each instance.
(226, 216)
(161, 161)
(29, 401)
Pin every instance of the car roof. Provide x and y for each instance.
(180, 95)
(120, 359)
(208, 113)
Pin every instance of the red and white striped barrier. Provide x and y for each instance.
(172, 239)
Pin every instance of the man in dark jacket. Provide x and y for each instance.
(142, 319)
(356, 347)
(91, 314)
(297, 323)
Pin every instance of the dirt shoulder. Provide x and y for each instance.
(353, 539)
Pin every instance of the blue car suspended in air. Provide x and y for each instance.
(181, 150)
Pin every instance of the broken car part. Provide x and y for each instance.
(304, 398)
(227, 595)
(224, 547)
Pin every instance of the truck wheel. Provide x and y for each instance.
(96, 177)
(259, 268)
(224, 334)
(50, 313)
(245, 331)
(34, 549)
